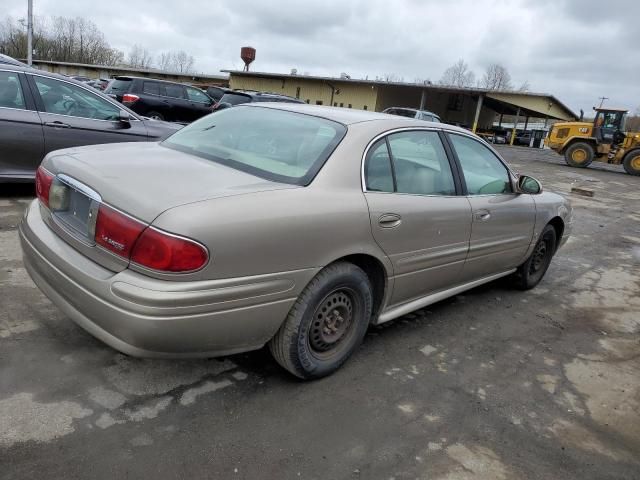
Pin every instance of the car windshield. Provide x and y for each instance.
(274, 144)
(235, 98)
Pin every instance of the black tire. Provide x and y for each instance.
(631, 162)
(533, 269)
(155, 115)
(316, 338)
(579, 154)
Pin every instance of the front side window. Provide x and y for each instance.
(420, 164)
(483, 172)
(274, 144)
(64, 98)
(10, 91)
(196, 95)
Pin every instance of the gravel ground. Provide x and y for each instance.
(492, 384)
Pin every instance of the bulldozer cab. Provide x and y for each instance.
(608, 125)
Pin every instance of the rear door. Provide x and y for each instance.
(417, 217)
(503, 221)
(73, 115)
(176, 96)
(21, 136)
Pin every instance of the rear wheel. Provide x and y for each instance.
(580, 154)
(326, 324)
(533, 269)
(631, 162)
(155, 115)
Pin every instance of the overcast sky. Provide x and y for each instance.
(577, 50)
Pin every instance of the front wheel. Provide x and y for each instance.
(580, 154)
(533, 269)
(326, 323)
(631, 162)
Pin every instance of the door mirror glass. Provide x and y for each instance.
(529, 185)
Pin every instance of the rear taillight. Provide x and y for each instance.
(162, 251)
(116, 231)
(130, 98)
(43, 185)
(146, 246)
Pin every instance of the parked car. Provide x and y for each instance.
(413, 113)
(7, 60)
(80, 78)
(237, 97)
(216, 93)
(523, 138)
(292, 225)
(161, 100)
(41, 112)
(98, 83)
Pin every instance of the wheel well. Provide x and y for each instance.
(377, 276)
(558, 225)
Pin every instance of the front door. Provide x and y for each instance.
(606, 125)
(21, 137)
(73, 116)
(502, 221)
(416, 216)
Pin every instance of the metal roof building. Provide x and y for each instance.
(471, 107)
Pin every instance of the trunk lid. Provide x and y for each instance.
(145, 179)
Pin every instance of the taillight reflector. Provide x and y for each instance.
(161, 251)
(43, 185)
(130, 98)
(117, 232)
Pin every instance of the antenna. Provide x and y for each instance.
(602, 99)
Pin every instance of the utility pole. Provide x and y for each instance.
(30, 32)
(602, 99)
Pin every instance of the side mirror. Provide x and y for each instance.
(124, 118)
(528, 185)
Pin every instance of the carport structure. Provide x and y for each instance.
(474, 108)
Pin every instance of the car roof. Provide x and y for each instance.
(255, 93)
(413, 110)
(148, 79)
(349, 116)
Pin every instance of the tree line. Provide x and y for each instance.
(78, 40)
(495, 77)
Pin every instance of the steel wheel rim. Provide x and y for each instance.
(539, 257)
(332, 323)
(579, 155)
(635, 163)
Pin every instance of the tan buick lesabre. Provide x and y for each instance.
(292, 225)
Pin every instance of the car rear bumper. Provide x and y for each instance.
(146, 317)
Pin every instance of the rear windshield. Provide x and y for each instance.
(235, 98)
(274, 144)
(119, 85)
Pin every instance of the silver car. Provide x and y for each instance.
(290, 225)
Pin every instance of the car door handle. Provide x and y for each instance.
(482, 215)
(57, 124)
(389, 220)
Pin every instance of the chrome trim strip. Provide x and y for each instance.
(422, 302)
(81, 187)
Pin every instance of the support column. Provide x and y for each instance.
(526, 122)
(423, 99)
(515, 125)
(500, 121)
(477, 116)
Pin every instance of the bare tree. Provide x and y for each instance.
(458, 75)
(178, 61)
(139, 57)
(496, 77)
(525, 87)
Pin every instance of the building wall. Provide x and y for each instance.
(543, 105)
(357, 95)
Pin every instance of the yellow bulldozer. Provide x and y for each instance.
(604, 140)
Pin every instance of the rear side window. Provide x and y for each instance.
(119, 86)
(235, 98)
(10, 91)
(152, 88)
(174, 91)
(273, 144)
(377, 171)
